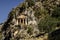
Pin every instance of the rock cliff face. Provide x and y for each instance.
(22, 22)
(0, 27)
(16, 29)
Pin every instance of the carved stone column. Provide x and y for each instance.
(26, 21)
(23, 21)
(20, 21)
(17, 22)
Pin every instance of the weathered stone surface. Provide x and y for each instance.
(11, 28)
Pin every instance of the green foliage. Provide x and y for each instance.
(18, 26)
(7, 23)
(11, 15)
(29, 30)
(56, 12)
(30, 2)
(47, 24)
(23, 5)
(37, 0)
(0, 36)
(39, 12)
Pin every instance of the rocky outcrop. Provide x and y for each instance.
(12, 31)
(18, 32)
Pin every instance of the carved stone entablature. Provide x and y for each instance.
(22, 19)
